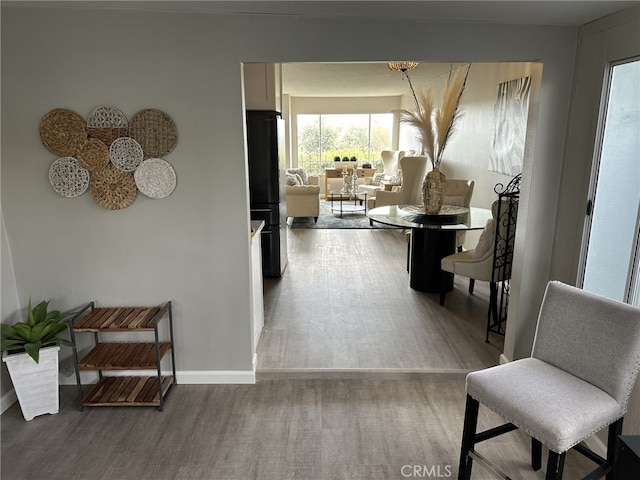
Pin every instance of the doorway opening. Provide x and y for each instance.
(321, 291)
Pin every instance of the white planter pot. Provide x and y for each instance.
(36, 384)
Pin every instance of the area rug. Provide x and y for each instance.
(329, 219)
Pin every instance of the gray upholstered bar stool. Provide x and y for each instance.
(577, 381)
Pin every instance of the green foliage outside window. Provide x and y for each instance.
(321, 138)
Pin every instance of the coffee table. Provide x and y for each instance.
(344, 204)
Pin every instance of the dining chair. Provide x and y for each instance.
(458, 192)
(489, 261)
(577, 381)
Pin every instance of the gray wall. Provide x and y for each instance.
(10, 309)
(193, 247)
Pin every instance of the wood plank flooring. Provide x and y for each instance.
(362, 426)
(344, 302)
(333, 399)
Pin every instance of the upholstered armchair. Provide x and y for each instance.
(391, 160)
(303, 201)
(302, 194)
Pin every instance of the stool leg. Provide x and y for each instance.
(555, 466)
(615, 429)
(468, 438)
(536, 454)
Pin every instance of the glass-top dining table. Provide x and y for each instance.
(433, 237)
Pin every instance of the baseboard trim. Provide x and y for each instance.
(267, 374)
(185, 378)
(246, 377)
(368, 370)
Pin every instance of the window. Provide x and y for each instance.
(611, 253)
(321, 138)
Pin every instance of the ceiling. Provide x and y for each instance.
(545, 12)
(356, 79)
(549, 12)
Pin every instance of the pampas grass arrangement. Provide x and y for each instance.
(436, 126)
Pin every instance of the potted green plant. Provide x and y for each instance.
(30, 351)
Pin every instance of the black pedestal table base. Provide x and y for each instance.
(428, 247)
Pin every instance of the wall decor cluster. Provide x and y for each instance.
(110, 155)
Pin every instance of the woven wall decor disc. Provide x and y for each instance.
(113, 189)
(155, 178)
(107, 117)
(68, 177)
(155, 131)
(62, 131)
(93, 154)
(126, 154)
(107, 135)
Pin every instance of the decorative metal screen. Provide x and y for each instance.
(506, 218)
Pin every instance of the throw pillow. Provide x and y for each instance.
(377, 178)
(302, 172)
(485, 242)
(393, 179)
(292, 180)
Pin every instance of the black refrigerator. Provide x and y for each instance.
(265, 149)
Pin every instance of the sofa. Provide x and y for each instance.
(302, 194)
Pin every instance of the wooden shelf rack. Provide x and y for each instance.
(124, 390)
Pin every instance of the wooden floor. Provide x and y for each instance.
(351, 426)
(331, 399)
(344, 302)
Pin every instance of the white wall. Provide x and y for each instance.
(193, 247)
